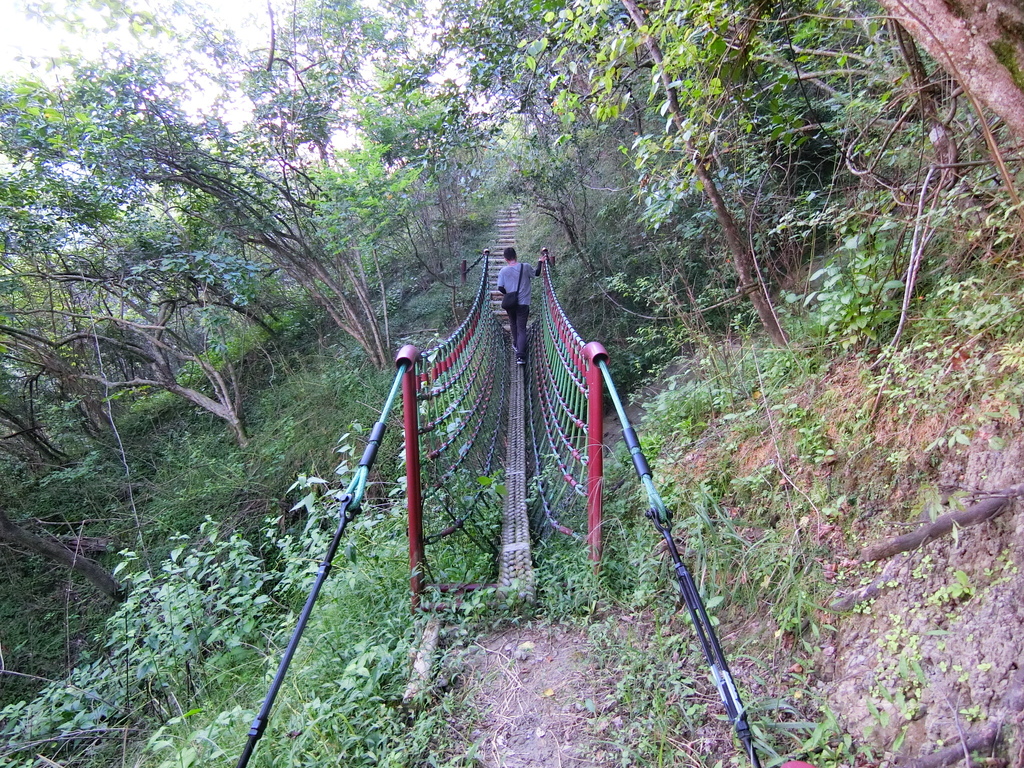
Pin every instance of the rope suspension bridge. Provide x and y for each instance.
(474, 421)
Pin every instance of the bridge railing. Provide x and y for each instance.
(570, 379)
(566, 417)
(450, 392)
(454, 395)
(661, 516)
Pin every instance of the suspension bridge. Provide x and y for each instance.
(481, 433)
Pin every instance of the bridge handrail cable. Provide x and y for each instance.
(571, 363)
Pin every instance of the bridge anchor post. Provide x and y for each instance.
(595, 352)
(410, 355)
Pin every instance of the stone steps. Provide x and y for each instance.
(507, 226)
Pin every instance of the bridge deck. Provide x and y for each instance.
(516, 566)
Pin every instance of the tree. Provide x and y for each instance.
(102, 298)
(51, 549)
(621, 45)
(122, 122)
(23, 431)
(979, 43)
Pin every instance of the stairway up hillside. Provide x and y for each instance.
(507, 225)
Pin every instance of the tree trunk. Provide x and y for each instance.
(743, 257)
(221, 408)
(57, 552)
(928, 94)
(978, 42)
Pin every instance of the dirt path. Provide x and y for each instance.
(534, 692)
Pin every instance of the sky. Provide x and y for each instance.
(21, 36)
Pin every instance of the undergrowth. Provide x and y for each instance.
(773, 462)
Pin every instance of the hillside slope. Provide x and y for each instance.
(924, 653)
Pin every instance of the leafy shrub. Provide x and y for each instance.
(340, 701)
(858, 296)
(205, 605)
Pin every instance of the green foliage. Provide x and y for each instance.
(203, 607)
(962, 347)
(366, 200)
(181, 470)
(468, 556)
(340, 702)
(733, 385)
(188, 637)
(960, 590)
(122, 206)
(776, 570)
(567, 585)
(37, 631)
(974, 307)
(832, 745)
(812, 443)
(859, 298)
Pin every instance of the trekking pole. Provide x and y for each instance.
(350, 504)
(260, 723)
(662, 520)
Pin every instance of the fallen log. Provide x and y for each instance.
(977, 742)
(88, 544)
(980, 741)
(423, 661)
(850, 599)
(986, 509)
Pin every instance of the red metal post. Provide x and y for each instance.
(594, 351)
(410, 355)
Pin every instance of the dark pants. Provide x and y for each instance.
(517, 317)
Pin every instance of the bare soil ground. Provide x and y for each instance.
(937, 656)
(531, 686)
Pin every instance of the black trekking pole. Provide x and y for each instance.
(708, 640)
(662, 520)
(260, 723)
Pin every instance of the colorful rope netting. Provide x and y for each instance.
(557, 415)
(462, 388)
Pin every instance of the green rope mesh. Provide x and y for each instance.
(462, 395)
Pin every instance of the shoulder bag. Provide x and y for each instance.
(511, 298)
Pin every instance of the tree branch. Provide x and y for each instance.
(983, 510)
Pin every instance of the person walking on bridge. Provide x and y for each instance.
(514, 283)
